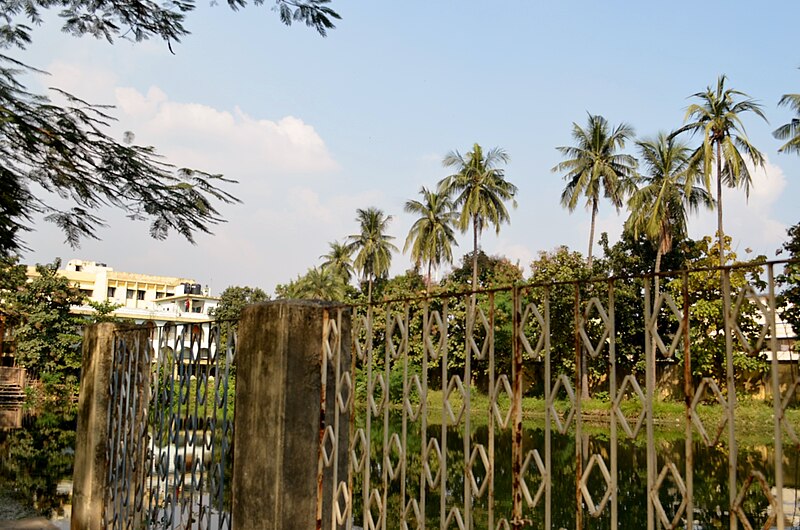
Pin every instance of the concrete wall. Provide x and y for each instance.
(280, 418)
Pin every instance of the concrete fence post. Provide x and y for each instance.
(91, 440)
(283, 410)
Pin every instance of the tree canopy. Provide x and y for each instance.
(50, 150)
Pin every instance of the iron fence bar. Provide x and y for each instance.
(492, 401)
(467, 382)
(650, 387)
(387, 382)
(612, 368)
(688, 394)
(516, 440)
(351, 429)
(367, 486)
(337, 369)
(731, 395)
(403, 456)
(548, 523)
(777, 406)
(443, 446)
(423, 412)
(579, 368)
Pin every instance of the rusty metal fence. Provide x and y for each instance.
(170, 426)
(442, 433)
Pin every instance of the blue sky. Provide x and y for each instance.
(314, 128)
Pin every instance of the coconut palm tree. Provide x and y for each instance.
(320, 284)
(667, 193)
(480, 190)
(791, 130)
(374, 248)
(718, 117)
(431, 237)
(594, 165)
(339, 260)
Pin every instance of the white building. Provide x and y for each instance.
(140, 297)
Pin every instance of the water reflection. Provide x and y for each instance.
(36, 460)
(709, 477)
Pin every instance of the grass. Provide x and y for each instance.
(753, 418)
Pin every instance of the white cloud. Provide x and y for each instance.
(750, 222)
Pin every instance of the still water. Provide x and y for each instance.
(710, 479)
(36, 460)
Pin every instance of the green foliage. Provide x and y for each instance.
(47, 336)
(431, 237)
(103, 311)
(790, 131)
(594, 164)
(790, 280)
(234, 298)
(706, 320)
(66, 151)
(480, 189)
(373, 247)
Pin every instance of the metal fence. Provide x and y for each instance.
(441, 437)
(171, 427)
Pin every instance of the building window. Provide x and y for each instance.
(111, 292)
(140, 295)
(78, 268)
(159, 295)
(129, 294)
(87, 292)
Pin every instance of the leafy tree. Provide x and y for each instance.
(339, 260)
(553, 275)
(790, 131)
(706, 317)
(594, 165)
(479, 188)
(666, 194)
(372, 245)
(718, 117)
(493, 271)
(234, 299)
(431, 237)
(790, 279)
(46, 334)
(66, 150)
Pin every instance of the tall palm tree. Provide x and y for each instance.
(718, 118)
(667, 193)
(594, 165)
(480, 190)
(431, 237)
(374, 248)
(339, 260)
(791, 130)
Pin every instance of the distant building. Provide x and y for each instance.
(141, 297)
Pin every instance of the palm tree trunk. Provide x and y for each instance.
(428, 282)
(584, 357)
(474, 253)
(369, 290)
(720, 232)
(591, 232)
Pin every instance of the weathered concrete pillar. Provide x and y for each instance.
(280, 418)
(91, 440)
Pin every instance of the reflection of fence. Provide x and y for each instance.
(167, 437)
(423, 366)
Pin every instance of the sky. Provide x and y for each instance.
(313, 128)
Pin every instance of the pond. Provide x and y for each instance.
(36, 462)
(710, 479)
